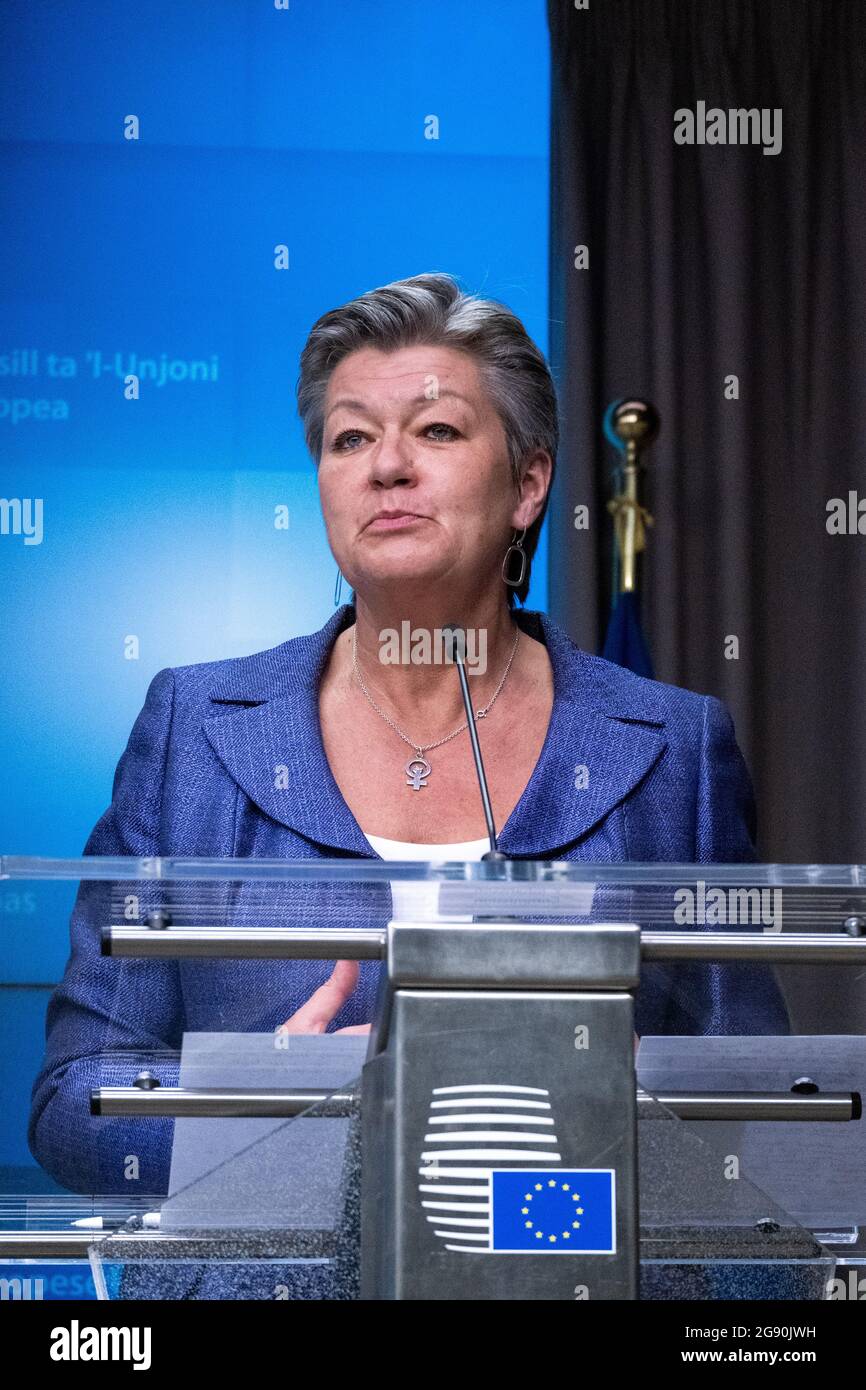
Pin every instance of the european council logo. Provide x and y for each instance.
(476, 1205)
(567, 1211)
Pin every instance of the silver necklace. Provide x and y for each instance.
(418, 768)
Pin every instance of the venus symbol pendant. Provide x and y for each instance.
(417, 771)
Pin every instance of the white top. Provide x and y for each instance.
(419, 902)
(404, 849)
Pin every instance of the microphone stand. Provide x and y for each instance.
(458, 650)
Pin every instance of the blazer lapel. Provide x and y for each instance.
(589, 764)
(272, 746)
(605, 735)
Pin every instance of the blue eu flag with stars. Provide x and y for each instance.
(553, 1210)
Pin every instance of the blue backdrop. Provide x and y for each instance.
(259, 124)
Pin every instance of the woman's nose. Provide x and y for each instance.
(391, 461)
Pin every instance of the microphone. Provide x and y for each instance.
(458, 650)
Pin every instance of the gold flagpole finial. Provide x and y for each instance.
(636, 423)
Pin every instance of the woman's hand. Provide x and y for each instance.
(325, 1003)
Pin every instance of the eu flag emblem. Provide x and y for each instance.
(564, 1211)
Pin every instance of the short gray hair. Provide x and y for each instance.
(432, 310)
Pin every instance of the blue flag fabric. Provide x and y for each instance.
(625, 643)
(553, 1210)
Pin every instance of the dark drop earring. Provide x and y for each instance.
(515, 548)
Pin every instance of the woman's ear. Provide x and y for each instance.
(533, 488)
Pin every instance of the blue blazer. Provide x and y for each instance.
(666, 782)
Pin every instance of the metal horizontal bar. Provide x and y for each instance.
(754, 1105)
(780, 948)
(231, 1245)
(270, 1104)
(219, 1102)
(254, 943)
(70, 1245)
(327, 943)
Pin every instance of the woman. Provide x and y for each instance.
(432, 418)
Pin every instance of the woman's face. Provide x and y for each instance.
(412, 434)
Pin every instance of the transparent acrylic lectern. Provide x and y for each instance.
(492, 1135)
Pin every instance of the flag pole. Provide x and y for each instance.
(636, 424)
(630, 426)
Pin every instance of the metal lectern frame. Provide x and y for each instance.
(498, 1046)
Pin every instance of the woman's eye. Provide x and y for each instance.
(440, 425)
(341, 440)
(345, 442)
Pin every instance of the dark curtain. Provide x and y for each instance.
(707, 261)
